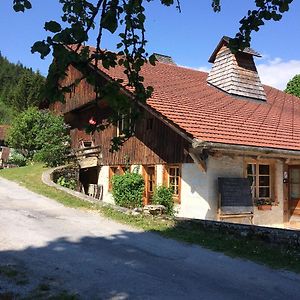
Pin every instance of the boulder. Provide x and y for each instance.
(154, 209)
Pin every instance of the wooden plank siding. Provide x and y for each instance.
(80, 95)
(159, 145)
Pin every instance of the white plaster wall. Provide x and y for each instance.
(103, 180)
(159, 175)
(199, 190)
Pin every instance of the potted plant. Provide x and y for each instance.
(263, 204)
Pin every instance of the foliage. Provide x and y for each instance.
(20, 88)
(127, 189)
(40, 135)
(27, 92)
(262, 201)
(164, 196)
(128, 18)
(293, 86)
(68, 183)
(17, 159)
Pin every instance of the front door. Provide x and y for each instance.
(294, 190)
(149, 178)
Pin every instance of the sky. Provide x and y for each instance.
(189, 37)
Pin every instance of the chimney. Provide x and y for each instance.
(235, 74)
(164, 59)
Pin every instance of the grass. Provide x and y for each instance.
(30, 177)
(274, 256)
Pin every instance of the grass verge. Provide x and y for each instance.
(274, 256)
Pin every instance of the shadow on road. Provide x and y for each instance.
(135, 265)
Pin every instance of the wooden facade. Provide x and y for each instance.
(159, 145)
(155, 144)
(80, 94)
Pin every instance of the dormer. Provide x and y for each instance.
(235, 74)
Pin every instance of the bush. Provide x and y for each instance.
(41, 136)
(68, 183)
(128, 189)
(164, 196)
(17, 159)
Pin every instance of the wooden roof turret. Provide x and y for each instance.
(235, 74)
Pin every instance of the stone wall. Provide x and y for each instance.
(267, 234)
(68, 172)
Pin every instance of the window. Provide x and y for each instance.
(260, 179)
(72, 90)
(149, 124)
(173, 180)
(87, 144)
(124, 124)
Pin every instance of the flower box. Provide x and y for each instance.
(264, 207)
(263, 204)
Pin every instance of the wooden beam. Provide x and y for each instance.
(198, 161)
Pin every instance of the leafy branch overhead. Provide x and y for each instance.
(127, 17)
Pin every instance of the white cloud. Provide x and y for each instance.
(203, 69)
(274, 72)
(277, 72)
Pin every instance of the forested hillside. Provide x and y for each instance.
(20, 88)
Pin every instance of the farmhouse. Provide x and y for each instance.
(196, 128)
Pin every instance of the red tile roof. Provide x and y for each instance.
(183, 97)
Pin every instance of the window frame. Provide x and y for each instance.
(166, 180)
(121, 124)
(272, 194)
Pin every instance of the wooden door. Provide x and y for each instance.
(294, 190)
(150, 182)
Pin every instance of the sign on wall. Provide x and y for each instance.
(235, 195)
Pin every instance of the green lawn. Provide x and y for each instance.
(256, 250)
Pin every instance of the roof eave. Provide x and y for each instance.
(244, 149)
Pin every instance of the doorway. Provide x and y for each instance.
(150, 183)
(87, 177)
(294, 190)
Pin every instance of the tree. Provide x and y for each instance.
(20, 88)
(40, 135)
(80, 16)
(293, 86)
(28, 91)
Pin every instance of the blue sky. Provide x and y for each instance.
(189, 37)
